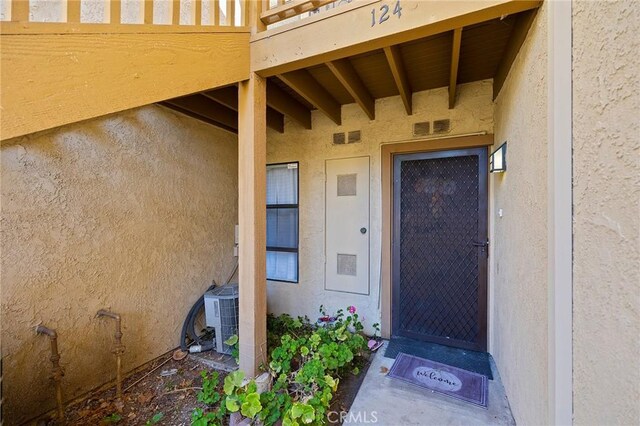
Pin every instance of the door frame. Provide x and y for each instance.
(480, 344)
(388, 151)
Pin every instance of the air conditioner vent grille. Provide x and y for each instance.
(441, 126)
(338, 139)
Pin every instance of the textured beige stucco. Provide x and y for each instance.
(518, 283)
(473, 113)
(134, 212)
(606, 173)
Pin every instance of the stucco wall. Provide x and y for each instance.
(473, 113)
(134, 212)
(519, 238)
(606, 173)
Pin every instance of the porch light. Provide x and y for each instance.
(498, 159)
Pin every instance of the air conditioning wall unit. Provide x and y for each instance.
(221, 312)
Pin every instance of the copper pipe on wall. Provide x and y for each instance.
(56, 372)
(118, 348)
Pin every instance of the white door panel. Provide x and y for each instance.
(347, 225)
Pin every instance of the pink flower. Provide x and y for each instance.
(351, 309)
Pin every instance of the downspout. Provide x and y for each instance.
(118, 348)
(56, 371)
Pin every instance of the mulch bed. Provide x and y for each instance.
(174, 396)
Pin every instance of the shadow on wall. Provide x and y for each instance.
(134, 213)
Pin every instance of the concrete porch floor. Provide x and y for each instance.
(397, 403)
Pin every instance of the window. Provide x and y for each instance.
(282, 222)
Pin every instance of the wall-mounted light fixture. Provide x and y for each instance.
(498, 159)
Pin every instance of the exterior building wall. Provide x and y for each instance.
(518, 274)
(473, 113)
(132, 212)
(606, 212)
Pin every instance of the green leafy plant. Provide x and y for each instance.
(305, 363)
(155, 419)
(209, 394)
(234, 342)
(112, 418)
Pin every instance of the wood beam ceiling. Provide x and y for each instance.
(205, 107)
(228, 96)
(299, 46)
(520, 30)
(347, 75)
(280, 101)
(307, 87)
(197, 117)
(394, 58)
(455, 61)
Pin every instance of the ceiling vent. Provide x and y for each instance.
(354, 136)
(441, 126)
(421, 129)
(338, 139)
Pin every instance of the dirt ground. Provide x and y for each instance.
(170, 400)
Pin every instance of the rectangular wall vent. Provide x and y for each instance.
(348, 185)
(441, 126)
(354, 136)
(421, 129)
(338, 139)
(347, 264)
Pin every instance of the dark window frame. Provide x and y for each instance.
(296, 206)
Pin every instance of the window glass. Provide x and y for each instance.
(282, 222)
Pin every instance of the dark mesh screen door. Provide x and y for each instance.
(440, 247)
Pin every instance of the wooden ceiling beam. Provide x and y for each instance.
(205, 107)
(394, 58)
(347, 75)
(198, 117)
(228, 96)
(518, 35)
(455, 62)
(302, 48)
(306, 86)
(280, 101)
(275, 120)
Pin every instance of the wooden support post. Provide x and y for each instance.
(455, 61)
(175, 12)
(197, 20)
(231, 13)
(115, 11)
(148, 12)
(254, 11)
(394, 58)
(215, 12)
(73, 11)
(252, 219)
(228, 96)
(20, 10)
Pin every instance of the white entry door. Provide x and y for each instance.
(347, 225)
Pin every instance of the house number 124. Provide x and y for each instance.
(384, 13)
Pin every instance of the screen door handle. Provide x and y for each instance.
(480, 244)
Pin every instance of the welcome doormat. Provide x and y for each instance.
(441, 378)
(476, 362)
